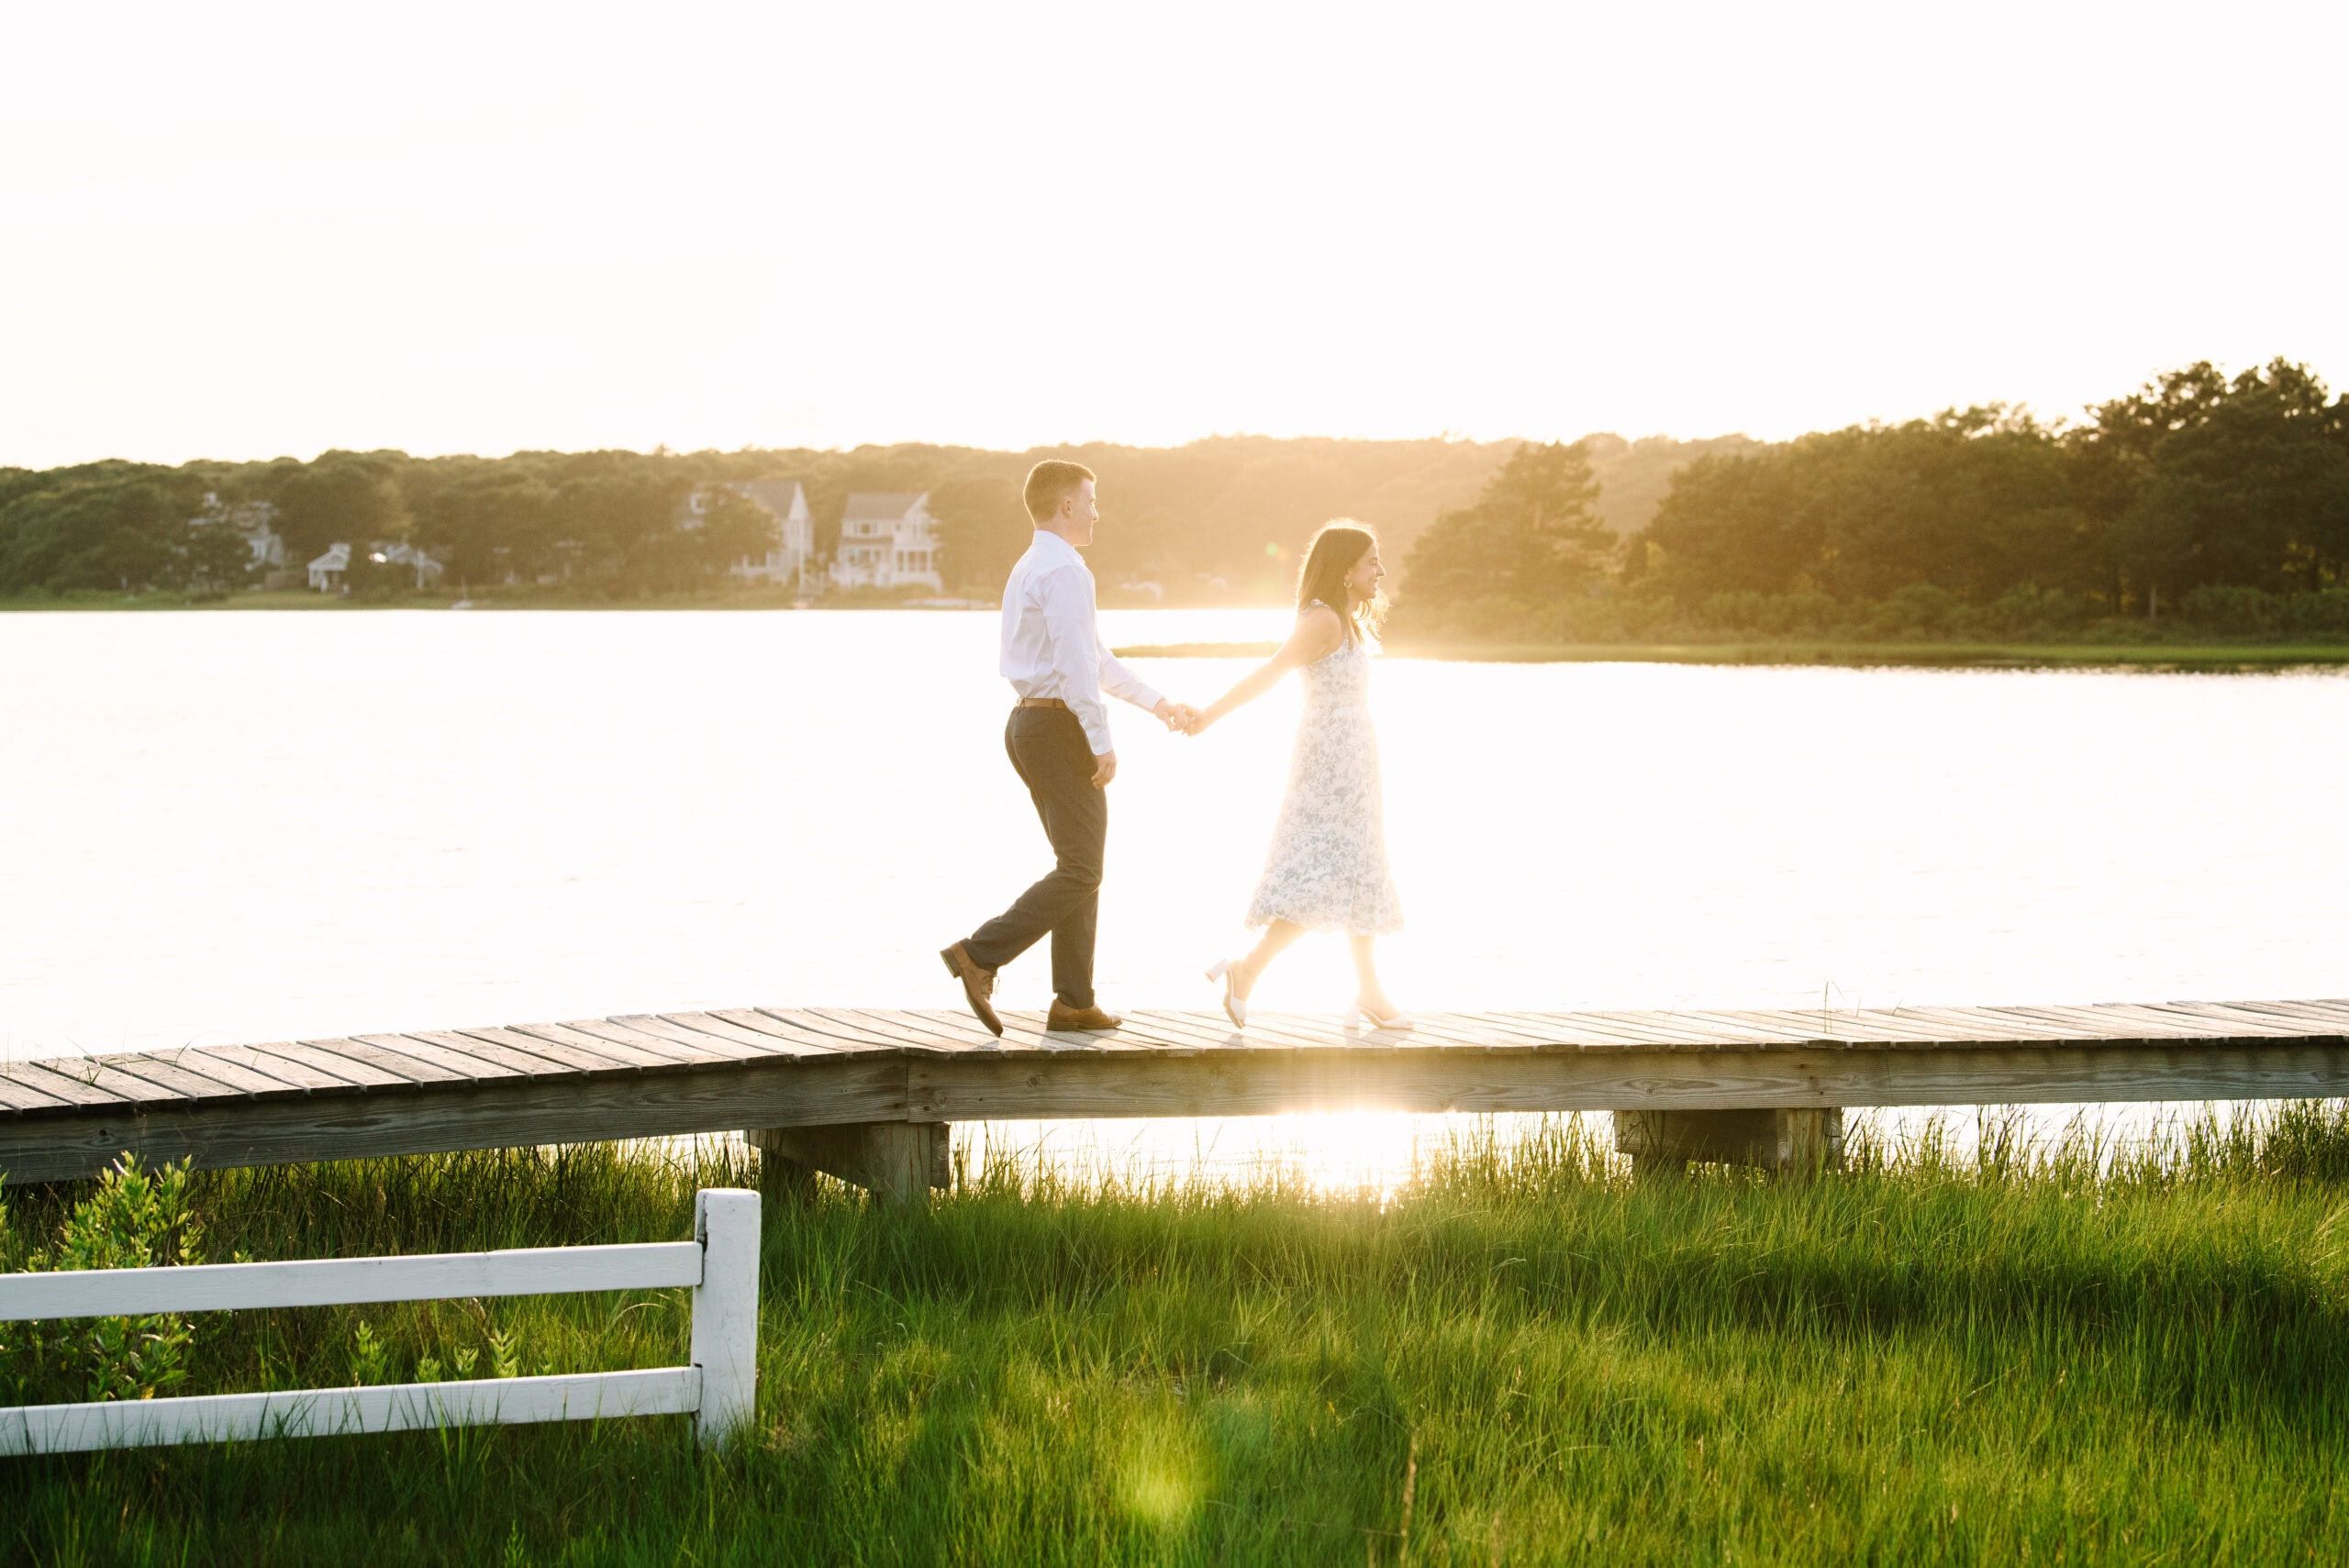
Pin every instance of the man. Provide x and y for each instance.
(1059, 741)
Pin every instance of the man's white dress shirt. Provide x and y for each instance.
(1052, 642)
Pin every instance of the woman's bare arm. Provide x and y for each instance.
(1317, 636)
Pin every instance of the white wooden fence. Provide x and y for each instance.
(721, 1265)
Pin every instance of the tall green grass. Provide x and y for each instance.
(2010, 1353)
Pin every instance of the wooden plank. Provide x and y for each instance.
(2028, 1024)
(16, 1096)
(229, 1071)
(719, 1028)
(88, 1081)
(1304, 1031)
(721, 1097)
(1677, 1031)
(1545, 1032)
(1534, 1032)
(2253, 1025)
(1601, 1031)
(727, 1044)
(550, 1057)
(1962, 1027)
(832, 1024)
(589, 1032)
(2119, 1025)
(954, 1030)
(326, 1412)
(467, 1059)
(409, 1067)
(786, 1037)
(294, 1067)
(1861, 1026)
(1974, 1025)
(2334, 1013)
(1673, 1028)
(851, 1023)
(349, 1070)
(349, 1282)
(163, 1075)
(2238, 1026)
(1744, 1028)
(977, 1088)
(623, 1057)
(1182, 1031)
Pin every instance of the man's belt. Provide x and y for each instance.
(1042, 702)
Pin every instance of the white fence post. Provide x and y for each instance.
(726, 1311)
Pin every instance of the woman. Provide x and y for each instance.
(1327, 870)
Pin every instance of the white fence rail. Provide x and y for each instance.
(721, 1265)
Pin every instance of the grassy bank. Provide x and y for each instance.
(1523, 1358)
(2210, 656)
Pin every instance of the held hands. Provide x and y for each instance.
(1180, 717)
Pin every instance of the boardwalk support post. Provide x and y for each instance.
(726, 1313)
(1793, 1141)
(897, 1162)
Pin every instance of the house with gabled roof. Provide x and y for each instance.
(889, 540)
(785, 501)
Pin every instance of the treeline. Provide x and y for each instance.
(2219, 501)
(1217, 519)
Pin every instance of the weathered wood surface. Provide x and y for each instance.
(656, 1074)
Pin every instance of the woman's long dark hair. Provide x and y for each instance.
(1336, 549)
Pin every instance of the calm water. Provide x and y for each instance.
(255, 826)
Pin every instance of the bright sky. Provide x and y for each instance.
(236, 230)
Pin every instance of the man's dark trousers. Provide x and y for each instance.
(1049, 749)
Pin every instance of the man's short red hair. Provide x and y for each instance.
(1050, 482)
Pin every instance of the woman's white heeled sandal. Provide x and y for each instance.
(1235, 1006)
(1371, 1023)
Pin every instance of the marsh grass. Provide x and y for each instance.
(1997, 1350)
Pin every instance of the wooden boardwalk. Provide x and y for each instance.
(780, 1068)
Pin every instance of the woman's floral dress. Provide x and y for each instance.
(1327, 869)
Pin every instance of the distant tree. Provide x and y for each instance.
(214, 559)
(730, 529)
(983, 528)
(111, 526)
(1729, 524)
(1532, 535)
(1973, 502)
(343, 498)
(491, 530)
(2203, 479)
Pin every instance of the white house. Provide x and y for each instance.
(889, 540)
(326, 571)
(427, 570)
(329, 570)
(257, 520)
(784, 500)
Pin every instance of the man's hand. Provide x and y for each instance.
(1177, 716)
(1105, 768)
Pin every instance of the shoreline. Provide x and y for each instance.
(2213, 656)
(2152, 656)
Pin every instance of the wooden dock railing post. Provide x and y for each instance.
(897, 1162)
(1791, 1141)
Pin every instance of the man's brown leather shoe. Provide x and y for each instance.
(978, 986)
(1086, 1019)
